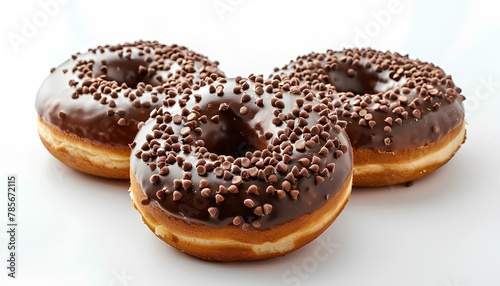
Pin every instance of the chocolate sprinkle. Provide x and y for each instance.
(374, 90)
(119, 86)
(285, 150)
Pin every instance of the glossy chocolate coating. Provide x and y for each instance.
(74, 96)
(237, 135)
(368, 80)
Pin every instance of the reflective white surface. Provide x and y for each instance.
(75, 229)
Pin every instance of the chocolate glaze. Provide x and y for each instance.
(234, 138)
(90, 93)
(367, 80)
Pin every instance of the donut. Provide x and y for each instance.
(89, 107)
(405, 117)
(241, 169)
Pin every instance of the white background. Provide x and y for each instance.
(79, 230)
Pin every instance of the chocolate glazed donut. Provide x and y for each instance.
(241, 169)
(405, 117)
(89, 106)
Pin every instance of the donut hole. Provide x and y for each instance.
(360, 80)
(128, 71)
(232, 136)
